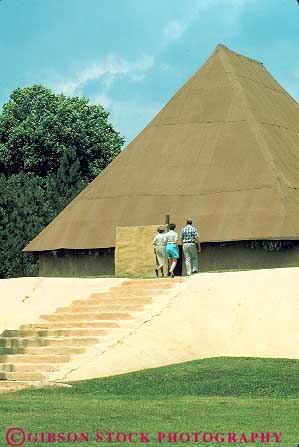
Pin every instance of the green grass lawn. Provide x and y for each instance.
(213, 395)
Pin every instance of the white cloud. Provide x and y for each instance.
(108, 70)
(174, 30)
(122, 113)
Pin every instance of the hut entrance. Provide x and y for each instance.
(134, 252)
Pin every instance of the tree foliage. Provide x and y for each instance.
(23, 212)
(38, 128)
(51, 146)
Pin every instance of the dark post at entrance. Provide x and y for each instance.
(167, 219)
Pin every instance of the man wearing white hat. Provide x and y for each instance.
(191, 246)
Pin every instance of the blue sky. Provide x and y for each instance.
(131, 56)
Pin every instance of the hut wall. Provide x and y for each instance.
(214, 257)
(77, 263)
(248, 255)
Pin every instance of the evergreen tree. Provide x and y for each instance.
(63, 186)
(23, 212)
(27, 204)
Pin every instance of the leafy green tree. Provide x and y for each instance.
(51, 146)
(38, 128)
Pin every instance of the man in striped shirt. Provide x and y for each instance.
(190, 241)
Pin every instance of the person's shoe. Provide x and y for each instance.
(172, 274)
(157, 273)
(195, 271)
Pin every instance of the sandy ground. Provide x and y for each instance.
(252, 313)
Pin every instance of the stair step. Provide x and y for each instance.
(99, 302)
(72, 325)
(11, 367)
(113, 301)
(130, 293)
(140, 294)
(87, 330)
(9, 386)
(21, 375)
(136, 289)
(22, 342)
(31, 358)
(13, 384)
(87, 316)
(154, 282)
(44, 350)
(147, 286)
(100, 308)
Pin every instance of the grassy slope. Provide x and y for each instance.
(222, 394)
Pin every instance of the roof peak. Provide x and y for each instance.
(221, 47)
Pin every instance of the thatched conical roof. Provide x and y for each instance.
(224, 150)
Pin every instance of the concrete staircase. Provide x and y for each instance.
(34, 354)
